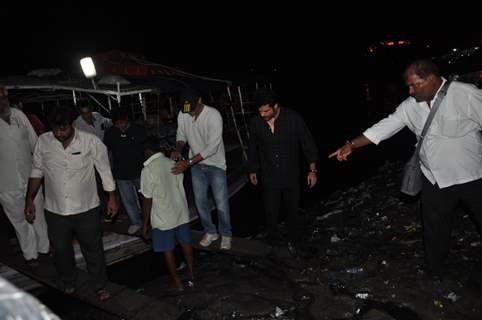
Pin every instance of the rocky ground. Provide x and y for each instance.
(361, 259)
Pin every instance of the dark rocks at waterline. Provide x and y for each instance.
(361, 259)
(369, 247)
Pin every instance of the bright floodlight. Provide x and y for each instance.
(88, 67)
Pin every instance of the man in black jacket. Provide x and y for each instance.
(276, 136)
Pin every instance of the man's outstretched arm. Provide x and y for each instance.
(345, 150)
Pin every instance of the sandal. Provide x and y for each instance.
(103, 294)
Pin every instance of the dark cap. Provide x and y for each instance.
(189, 98)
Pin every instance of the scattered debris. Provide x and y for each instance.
(452, 296)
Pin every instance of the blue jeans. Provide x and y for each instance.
(128, 194)
(204, 177)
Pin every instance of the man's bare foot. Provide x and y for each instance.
(178, 284)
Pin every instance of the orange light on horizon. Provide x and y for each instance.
(395, 43)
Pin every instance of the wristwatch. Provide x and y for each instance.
(190, 162)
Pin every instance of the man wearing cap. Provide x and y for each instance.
(17, 142)
(201, 126)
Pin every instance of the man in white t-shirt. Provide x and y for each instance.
(201, 127)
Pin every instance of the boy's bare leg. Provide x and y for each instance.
(171, 266)
(188, 255)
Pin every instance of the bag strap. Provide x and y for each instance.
(440, 96)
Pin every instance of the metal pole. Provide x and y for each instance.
(118, 94)
(143, 106)
(242, 111)
(98, 103)
(240, 139)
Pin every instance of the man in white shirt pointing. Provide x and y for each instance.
(450, 155)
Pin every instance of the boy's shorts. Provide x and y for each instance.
(165, 240)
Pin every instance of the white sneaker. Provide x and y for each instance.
(226, 243)
(208, 239)
(133, 229)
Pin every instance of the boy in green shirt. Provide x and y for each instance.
(165, 208)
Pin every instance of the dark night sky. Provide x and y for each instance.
(239, 39)
(318, 52)
(315, 52)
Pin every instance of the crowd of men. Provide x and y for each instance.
(60, 185)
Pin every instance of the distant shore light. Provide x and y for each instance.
(88, 67)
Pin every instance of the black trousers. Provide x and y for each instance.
(290, 198)
(87, 229)
(438, 210)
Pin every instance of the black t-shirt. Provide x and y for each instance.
(127, 151)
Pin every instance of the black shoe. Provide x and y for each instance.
(33, 263)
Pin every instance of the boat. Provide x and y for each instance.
(151, 91)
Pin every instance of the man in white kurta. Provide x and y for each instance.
(17, 142)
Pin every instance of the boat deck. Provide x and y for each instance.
(125, 302)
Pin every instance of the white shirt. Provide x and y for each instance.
(204, 136)
(70, 185)
(169, 204)
(17, 141)
(451, 152)
(98, 127)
